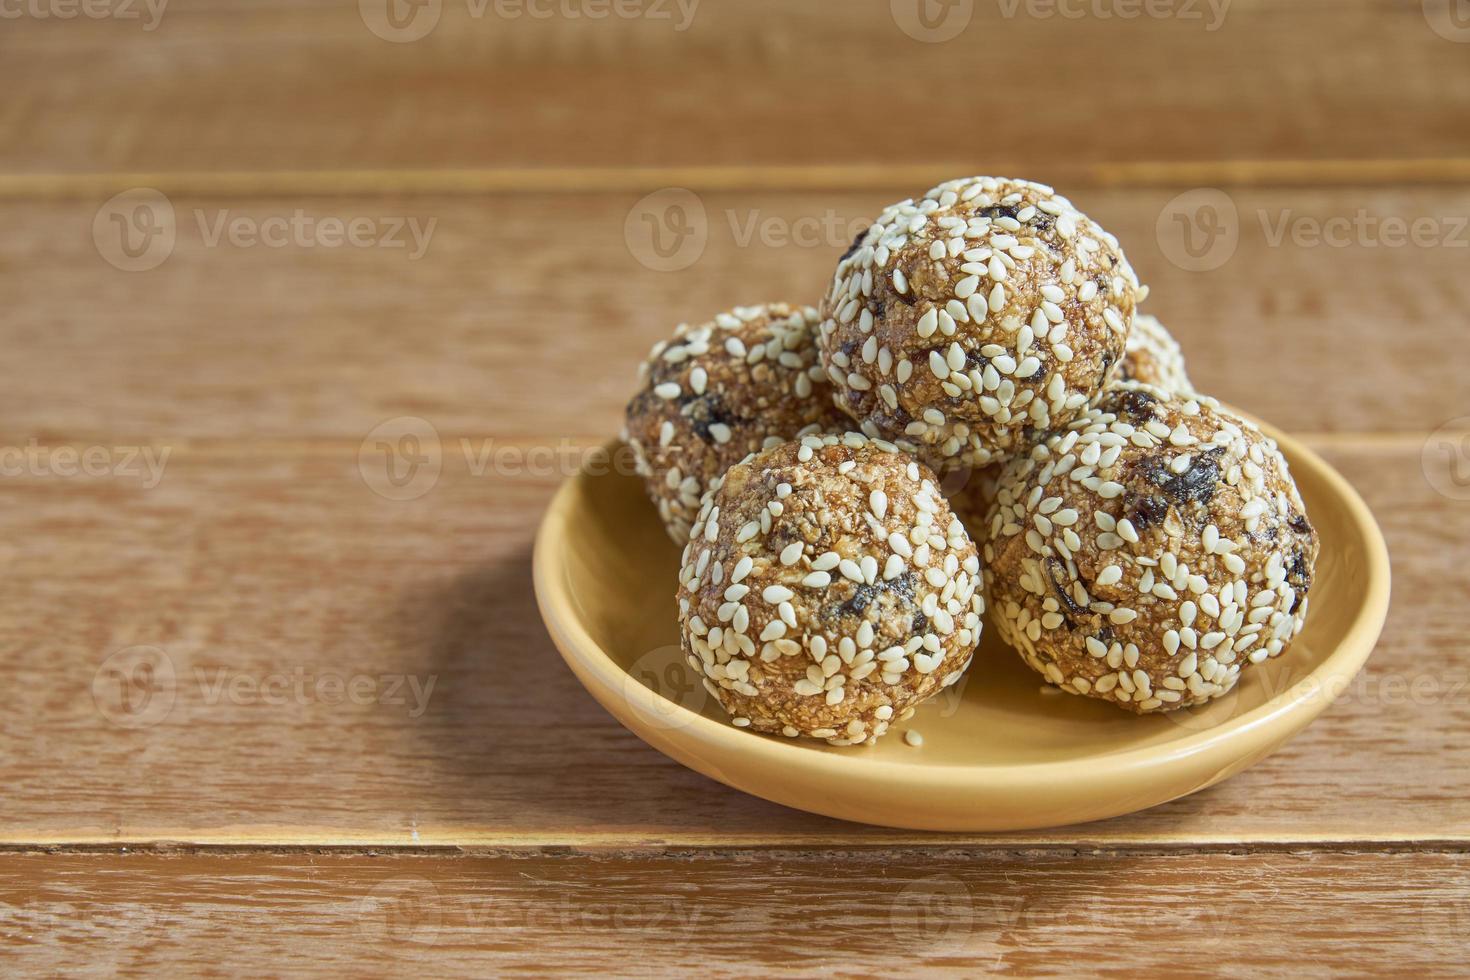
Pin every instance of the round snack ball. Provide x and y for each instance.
(717, 392)
(827, 589)
(1150, 551)
(967, 324)
(1153, 356)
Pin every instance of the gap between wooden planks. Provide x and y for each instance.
(1234, 173)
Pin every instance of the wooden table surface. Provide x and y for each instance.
(264, 717)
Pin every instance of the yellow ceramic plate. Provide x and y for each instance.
(999, 751)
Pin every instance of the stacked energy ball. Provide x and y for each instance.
(1139, 543)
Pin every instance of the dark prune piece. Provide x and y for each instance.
(856, 244)
(1064, 596)
(1138, 405)
(707, 410)
(1298, 523)
(999, 211)
(865, 595)
(1148, 512)
(1198, 483)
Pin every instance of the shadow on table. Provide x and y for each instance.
(522, 746)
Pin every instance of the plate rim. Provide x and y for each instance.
(582, 652)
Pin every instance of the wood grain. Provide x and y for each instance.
(308, 86)
(218, 632)
(525, 315)
(755, 913)
(263, 574)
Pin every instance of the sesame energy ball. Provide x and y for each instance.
(827, 589)
(1153, 357)
(967, 324)
(717, 392)
(1149, 551)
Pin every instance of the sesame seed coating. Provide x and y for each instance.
(717, 392)
(827, 588)
(1149, 551)
(965, 325)
(1153, 357)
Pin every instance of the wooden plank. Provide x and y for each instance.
(869, 913)
(219, 84)
(525, 315)
(262, 574)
